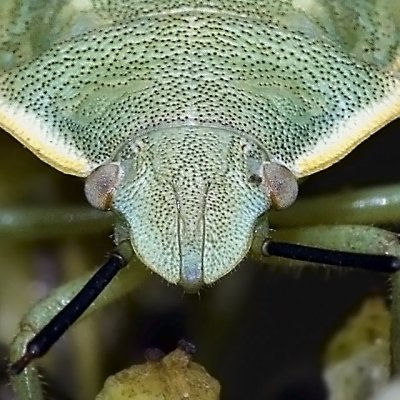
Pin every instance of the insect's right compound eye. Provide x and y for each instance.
(280, 185)
(100, 186)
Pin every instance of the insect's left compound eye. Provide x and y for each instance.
(100, 186)
(280, 184)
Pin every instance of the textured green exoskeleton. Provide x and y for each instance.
(175, 109)
(190, 98)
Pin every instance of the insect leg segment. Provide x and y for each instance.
(372, 262)
(379, 205)
(49, 319)
(57, 326)
(311, 225)
(354, 246)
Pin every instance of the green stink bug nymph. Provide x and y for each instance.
(191, 119)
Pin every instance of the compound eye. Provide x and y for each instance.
(100, 186)
(280, 184)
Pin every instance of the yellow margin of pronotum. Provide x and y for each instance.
(348, 133)
(27, 128)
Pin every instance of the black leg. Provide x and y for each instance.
(371, 262)
(50, 333)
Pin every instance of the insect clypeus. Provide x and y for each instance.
(189, 121)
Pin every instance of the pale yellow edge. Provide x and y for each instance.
(27, 128)
(347, 134)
